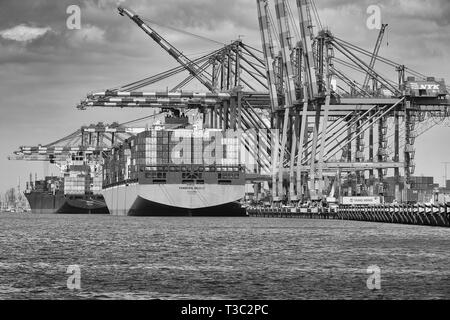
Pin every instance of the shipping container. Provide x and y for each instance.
(171, 147)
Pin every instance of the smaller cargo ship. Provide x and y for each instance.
(76, 192)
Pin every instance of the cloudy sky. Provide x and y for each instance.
(46, 68)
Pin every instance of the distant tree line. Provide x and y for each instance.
(10, 197)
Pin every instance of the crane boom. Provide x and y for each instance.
(189, 65)
(374, 57)
(267, 45)
(40, 153)
(156, 99)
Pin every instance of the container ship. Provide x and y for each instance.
(76, 192)
(182, 171)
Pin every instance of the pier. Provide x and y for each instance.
(418, 214)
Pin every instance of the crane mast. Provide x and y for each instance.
(289, 87)
(267, 45)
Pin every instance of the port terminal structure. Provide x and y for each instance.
(317, 108)
(323, 116)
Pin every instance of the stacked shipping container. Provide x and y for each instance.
(184, 147)
(421, 189)
(97, 182)
(173, 147)
(75, 185)
(422, 183)
(82, 183)
(48, 185)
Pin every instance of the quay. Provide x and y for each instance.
(417, 214)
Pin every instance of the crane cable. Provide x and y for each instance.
(316, 14)
(183, 31)
(379, 58)
(143, 118)
(294, 26)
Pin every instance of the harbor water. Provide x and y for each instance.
(219, 258)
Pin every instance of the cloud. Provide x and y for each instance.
(88, 33)
(24, 33)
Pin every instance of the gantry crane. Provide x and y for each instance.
(86, 144)
(287, 87)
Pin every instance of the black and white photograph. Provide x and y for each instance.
(220, 157)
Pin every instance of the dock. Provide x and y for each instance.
(417, 214)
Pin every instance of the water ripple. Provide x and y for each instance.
(218, 258)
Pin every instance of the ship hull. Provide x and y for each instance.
(42, 203)
(174, 200)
